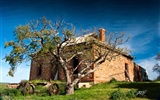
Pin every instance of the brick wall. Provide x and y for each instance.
(46, 72)
(61, 75)
(33, 71)
(40, 70)
(138, 73)
(106, 71)
(114, 69)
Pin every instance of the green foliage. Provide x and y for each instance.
(42, 91)
(12, 92)
(37, 37)
(113, 80)
(118, 95)
(24, 92)
(73, 99)
(1, 98)
(131, 94)
(11, 43)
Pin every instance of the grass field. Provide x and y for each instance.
(100, 91)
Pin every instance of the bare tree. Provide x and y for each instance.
(43, 37)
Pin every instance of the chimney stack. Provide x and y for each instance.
(102, 34)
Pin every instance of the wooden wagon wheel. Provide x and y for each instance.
(29, 88)
(54, 89)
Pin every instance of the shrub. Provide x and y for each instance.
(7, 98)
(24, 80)
(12, 92)
(44, 92)
(113, 80)
(158, 78)
(118, 95)
(131, 94)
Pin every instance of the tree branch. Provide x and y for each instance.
(76, 67)
(74, 55)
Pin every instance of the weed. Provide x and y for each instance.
(118, 95)
(131, 94)
(12, 92)
(113, 80)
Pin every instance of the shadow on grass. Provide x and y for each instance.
(153, 88)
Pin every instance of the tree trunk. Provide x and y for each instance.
(69, 86)
(69, 89)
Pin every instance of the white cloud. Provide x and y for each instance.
(148, 64)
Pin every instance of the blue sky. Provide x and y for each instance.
(138, 18)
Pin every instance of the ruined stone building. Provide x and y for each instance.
(123, 68)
